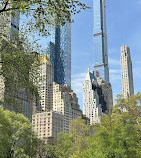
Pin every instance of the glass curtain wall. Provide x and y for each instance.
(100, 40)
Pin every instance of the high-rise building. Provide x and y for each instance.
(105, 94)
(97, 97)
(21, 102)
(47, 125)
(45, 83)
(126, 72)
(65, 102)
(12, 96)
(91, 107)
(60, 54)
(100, 40)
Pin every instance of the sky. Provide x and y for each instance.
(123, 28)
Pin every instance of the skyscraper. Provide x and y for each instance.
(46, 87)
(60, 54)
(91, 107)
(65, 102)
(97, 97)
(100, 40)
(126, 72)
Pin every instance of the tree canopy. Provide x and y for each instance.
(118, 135)
(16, 136)
(44, 14)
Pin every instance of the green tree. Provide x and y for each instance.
(20, 70)
(16, 136)
(118, 135)
(79, 131)
(63, 146)
(71, 145)
(43, 13)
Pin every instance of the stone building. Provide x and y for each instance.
(126, 72)
(65, 102)
(12, 95)
(106, 94)
(21, 102)
(91, 106)
(47, 125)
(97, 97)
(45, 84)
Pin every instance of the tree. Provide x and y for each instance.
(80, 131)
(63, 146)
(71, 145)
(16, 136)
(118, 135)
(20, 70)
(44, 13)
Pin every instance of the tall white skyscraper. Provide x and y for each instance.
(91, 107)
(126, 72)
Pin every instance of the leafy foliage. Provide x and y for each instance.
(118, 135)
(16, 136)
(20, 70)
(44, 13)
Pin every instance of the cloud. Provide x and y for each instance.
(77, 82)
(114, 62)
(115, 78)
(112, 51)
(115, 75)
(115, 71)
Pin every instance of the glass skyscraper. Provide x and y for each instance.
(100, 40)
(60, 54)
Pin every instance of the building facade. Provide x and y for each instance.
(100, 40)
(126, 72)
(60, 54)
(91, 107)
(97, 98)
(45, 84)
(20, 102)
(65, 102)
(47, 125)
(105, 95)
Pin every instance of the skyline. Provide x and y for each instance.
(121, 30)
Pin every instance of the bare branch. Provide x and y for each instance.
(2, 10)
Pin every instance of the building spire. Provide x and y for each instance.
(88, 69)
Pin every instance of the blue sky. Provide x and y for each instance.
(123, 28)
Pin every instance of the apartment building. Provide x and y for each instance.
(47, 125)
(45, 84)
(65, 102)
